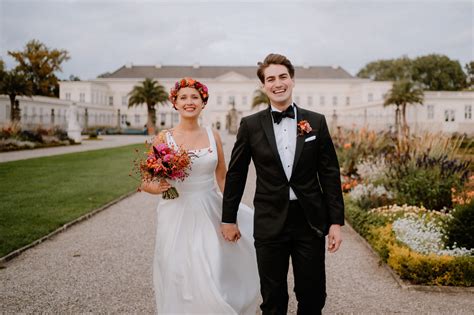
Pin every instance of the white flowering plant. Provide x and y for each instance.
(425, 235)
(372, 169)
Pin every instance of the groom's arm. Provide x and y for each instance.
(330, 177)
(236, 175)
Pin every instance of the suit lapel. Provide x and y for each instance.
(267, 124)
(300, 115)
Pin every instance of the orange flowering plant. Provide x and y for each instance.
(304, 127)
(162, 161)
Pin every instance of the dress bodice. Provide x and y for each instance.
(204, 161)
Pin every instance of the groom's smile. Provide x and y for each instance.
(278, 86)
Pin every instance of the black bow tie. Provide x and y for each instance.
(278, 116)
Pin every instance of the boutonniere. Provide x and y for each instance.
(303, 127)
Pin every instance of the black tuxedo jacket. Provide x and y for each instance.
(315, 177)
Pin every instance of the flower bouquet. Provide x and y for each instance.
(163, 162)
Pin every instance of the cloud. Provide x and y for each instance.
(103, 35)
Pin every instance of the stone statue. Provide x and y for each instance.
(73, 127)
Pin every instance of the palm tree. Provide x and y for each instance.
(14, 83)
(150, 92)
(259, 98)
(403, 92)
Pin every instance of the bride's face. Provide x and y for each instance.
(189, 102)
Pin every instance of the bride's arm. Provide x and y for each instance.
(221, 169)
(156, 187)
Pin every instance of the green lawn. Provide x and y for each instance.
(39, 195)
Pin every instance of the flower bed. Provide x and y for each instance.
(430, 241)
(413, 249)
(12, 138)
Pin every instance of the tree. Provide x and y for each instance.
(150, 92)
(2, 69)
(13, 84)
(73, 77)
(433, 72)
(470, 74)
(259, 98)
(39, 63)
(438, 73)
(403, 92)
(387, 70)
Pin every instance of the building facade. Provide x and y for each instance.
(345, 100)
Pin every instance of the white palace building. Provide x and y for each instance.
(347, 101)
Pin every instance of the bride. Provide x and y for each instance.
(195, 270)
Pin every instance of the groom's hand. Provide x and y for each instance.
(230, 232)
(334, 238)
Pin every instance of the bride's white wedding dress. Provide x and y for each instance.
(195, 271)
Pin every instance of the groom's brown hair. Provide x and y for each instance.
(274, 59)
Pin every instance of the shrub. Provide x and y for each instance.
(368, 196)
(426, 181)
(418, 268)
(460, 229)
(361, 220)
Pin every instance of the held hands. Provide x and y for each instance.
(334, 238)
(230, 232)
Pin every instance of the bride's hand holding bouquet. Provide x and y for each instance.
(159, 163)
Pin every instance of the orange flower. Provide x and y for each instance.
(347, 145)
(304, 127)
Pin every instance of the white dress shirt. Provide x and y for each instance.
(285, 136)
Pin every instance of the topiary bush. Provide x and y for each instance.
(460, 229)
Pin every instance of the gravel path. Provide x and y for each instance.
(103, 265)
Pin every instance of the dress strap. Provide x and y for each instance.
(169, 139)
(212, 140)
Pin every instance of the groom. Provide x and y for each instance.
(298, 198)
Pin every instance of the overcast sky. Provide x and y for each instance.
(101, 36)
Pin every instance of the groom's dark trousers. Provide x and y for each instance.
(285, 228)
(306, 249)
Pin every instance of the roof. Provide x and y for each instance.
(133, 72)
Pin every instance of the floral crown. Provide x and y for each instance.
(191, 83)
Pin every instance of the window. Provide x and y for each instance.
(468, 112)
(231, 100)
(68, 96)
(41, 114)
(219, 100)
(162, 119)
(124, 100)
(322, 100)
(430, 111)
(137, 119)
(334, 101)
(82, 97)
(310, 101)
(244, 100)
(123, 119)
(370, 97)
(449, 115)
(348, 101)
(111, 100)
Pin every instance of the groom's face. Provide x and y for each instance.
(278, 85)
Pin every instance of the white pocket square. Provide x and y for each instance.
(310, 139)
